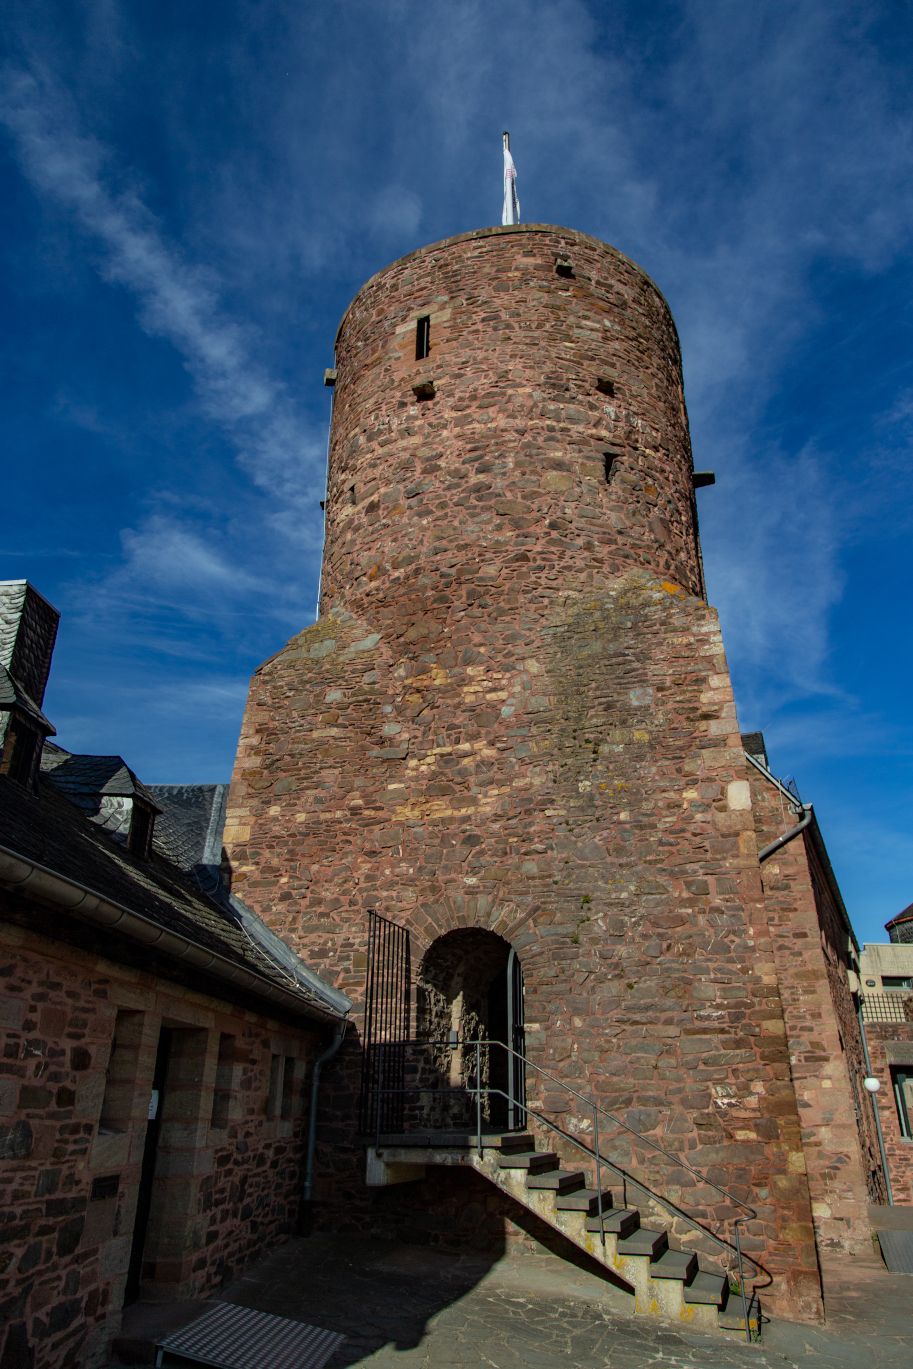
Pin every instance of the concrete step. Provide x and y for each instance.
(708, 1288)
(643, 1241)
(675, 1264)
(583, 1200)
(561, 1181)
(536, 1161)
(618, 1221)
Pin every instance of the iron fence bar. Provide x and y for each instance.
(598, 1155)
(479, 1097)
(738, 1251)
(367, 1064)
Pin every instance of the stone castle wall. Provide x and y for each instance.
(811, 943)
(515, 714)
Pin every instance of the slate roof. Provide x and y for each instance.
(89, 776)
(28, 630)
(50, 830)
(189, 829)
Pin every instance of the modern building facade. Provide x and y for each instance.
(886, 974)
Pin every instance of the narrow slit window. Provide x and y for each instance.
(221, 1097)
(121, 1074)
(274, 1097)
(608, 465)
(422, 337)
(288, 1087)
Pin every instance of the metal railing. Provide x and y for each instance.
(474, 1091)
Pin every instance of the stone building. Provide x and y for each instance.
(157, 1039)
(886, 974)
(512, 733)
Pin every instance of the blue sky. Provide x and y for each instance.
(193, 191)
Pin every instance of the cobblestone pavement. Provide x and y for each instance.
(413, 1308)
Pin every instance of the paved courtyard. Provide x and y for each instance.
(414, 1308)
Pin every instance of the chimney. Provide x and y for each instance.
(28, 629)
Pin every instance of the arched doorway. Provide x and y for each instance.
(470, 988)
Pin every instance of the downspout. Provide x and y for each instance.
(332, 1049)
(788, 836)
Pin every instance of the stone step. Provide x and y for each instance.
(732, 1319)
(675, 1264)
(583, 1200)
(643, 1241)
(536, 1161)
(516, 1140)
(618, 1221)
(708, 1288)
(561, 1181)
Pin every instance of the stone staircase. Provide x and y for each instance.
(663, 1281)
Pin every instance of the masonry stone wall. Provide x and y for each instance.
(69, 1181)
(812, 947)
(515, 713)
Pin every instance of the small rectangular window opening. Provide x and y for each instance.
(608, 465)
(274, 1099)
(121, 1075)
(139, 837)
(422, 337)
(288, 1087)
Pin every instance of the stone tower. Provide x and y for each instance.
(513, 725)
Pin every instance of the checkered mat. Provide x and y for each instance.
(232, 1337)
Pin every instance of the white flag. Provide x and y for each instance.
(511, 211)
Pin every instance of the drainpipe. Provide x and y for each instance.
(332, 1049)
(788, 836)
(874, 1102)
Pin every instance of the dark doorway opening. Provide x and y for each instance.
(470, 988)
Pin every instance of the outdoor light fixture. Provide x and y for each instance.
(873, 1085)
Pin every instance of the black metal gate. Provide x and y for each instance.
(388, 984)
(516, 1038)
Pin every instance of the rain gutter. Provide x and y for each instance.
(38, 882)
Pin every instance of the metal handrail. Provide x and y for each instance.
(595, 1151)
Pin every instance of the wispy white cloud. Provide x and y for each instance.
(168, 556)
(176, 299)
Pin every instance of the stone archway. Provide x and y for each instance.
(469, 987)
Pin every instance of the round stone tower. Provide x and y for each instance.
(512, 731)
(505, 392)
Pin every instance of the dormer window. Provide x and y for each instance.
(139, 837)
(21, 748)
